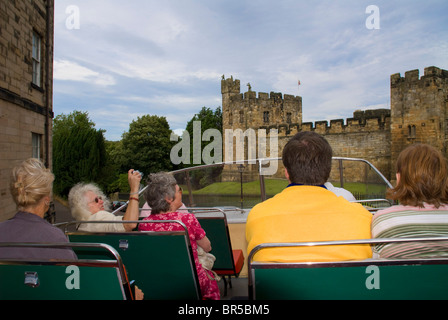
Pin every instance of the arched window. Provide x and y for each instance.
(266, 116)
(411, 132)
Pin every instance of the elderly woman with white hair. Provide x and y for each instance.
(88, 203)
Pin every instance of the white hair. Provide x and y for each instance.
(78, 201)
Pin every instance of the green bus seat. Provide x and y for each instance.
(228, 262)
(370, 279)
(160, 263)
(63, 280)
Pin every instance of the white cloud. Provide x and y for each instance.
(174, 100)
(70, 71)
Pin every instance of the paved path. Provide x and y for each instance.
(62, 212)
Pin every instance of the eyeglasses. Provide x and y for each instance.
(96, 200)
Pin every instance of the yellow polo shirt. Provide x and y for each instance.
(308, 213)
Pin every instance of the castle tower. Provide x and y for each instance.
(419, 110)
(251, 112)
(246, 110)
(229, 89)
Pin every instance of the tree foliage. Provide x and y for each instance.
(147, 145)
(79, 152)
(209, 119)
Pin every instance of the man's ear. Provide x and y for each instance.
(287, 175)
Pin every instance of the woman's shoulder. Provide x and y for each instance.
(402, 212)
(104, 215)
(177, 215)
(186, 216)
(391, 209)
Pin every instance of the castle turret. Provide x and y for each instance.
(419, 110)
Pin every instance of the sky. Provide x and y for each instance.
(119, 60)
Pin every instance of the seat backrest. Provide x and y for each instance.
(217, 232)
(161, 263)
(63, 280)
(365, 279)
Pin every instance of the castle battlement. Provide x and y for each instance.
(233, 89)
(263, 96)
(362, 121)
(230, 86)
(432, 76)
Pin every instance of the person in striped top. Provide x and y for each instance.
(422, 192)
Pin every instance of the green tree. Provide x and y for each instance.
(209, 120)
(147, 145)
(79, 152)
(115, 167)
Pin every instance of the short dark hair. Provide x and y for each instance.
(307, 158)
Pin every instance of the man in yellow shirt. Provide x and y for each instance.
(306, 211)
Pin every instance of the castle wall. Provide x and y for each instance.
(418, 114)
(365, 136)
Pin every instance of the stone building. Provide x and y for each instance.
(26, 88)
(419, 110)
(418, 113)
(251, 112)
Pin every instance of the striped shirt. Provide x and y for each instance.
(411, 222)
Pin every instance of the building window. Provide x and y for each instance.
(36, 59)
(411, 132)
(241, 116)
(266, 116)
(36, 141)
(288, 117)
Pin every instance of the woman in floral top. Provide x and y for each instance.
(164, 197)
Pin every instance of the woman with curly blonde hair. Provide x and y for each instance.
(31, 188)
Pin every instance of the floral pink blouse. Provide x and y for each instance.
(209, 288)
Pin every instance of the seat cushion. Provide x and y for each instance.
(238, 260)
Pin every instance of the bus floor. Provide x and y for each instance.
(238, 291)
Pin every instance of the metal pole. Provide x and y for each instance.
(240, 169)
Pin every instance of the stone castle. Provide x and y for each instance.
(418, 113)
